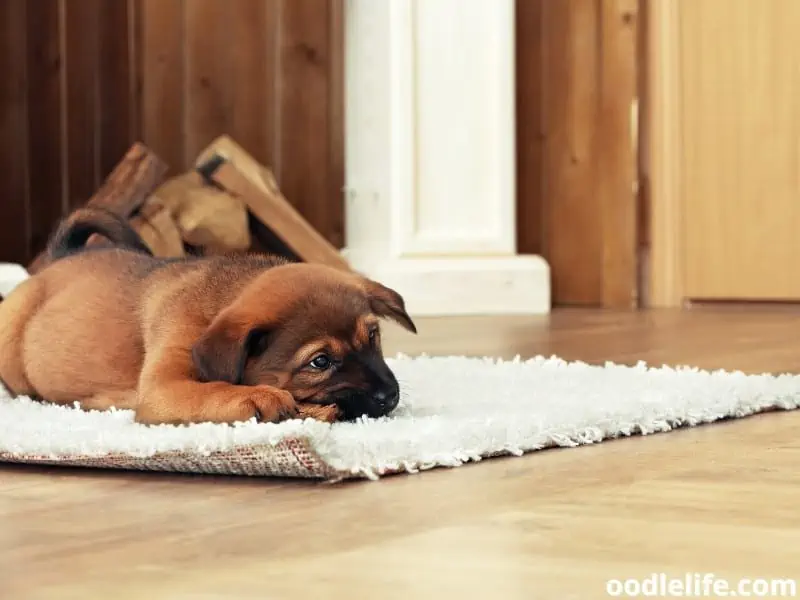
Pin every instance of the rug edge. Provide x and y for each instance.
(584, 437)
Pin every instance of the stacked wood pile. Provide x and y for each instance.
(228, 203)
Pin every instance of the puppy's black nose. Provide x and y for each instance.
(387, 400)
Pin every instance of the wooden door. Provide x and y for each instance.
(726, 150)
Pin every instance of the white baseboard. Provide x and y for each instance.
(517, 285)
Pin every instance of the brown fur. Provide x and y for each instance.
(219, 339)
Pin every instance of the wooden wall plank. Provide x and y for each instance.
(252, 39)
(662, 156)
(577, 75)
(162, 64)
(209, 94)
(136, 72)
(530, 90)
(81, 84)
(116, 97)
(572, 215)
(615, 152)
(45, 126)
(272, 117)
(13, 134)
(336, 124)
(304, 112)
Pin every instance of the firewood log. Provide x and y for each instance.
(205, 215)
(230, 167)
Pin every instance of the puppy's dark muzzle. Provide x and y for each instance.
(377, 404)
(386, 401)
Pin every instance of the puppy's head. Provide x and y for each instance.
(312, 331)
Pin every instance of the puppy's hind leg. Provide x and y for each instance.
(118, 399)
(16, 311)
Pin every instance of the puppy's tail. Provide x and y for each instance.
(73, 233)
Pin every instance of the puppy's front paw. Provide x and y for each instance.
(270, 405)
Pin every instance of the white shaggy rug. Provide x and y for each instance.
(454, 410)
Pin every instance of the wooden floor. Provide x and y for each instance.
(722, 499)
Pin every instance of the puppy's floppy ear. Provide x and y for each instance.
(385, 302)
(222, 351)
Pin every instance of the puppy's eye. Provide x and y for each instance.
(321, 362)
(373, 333)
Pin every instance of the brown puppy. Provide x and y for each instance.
(219, 339)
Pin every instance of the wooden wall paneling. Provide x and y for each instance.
(577, 76)
(91, 77)
(272, 109)
(136, 67)
(162, 71)
(642, 156)
(46, 169)
(14, 215)
(642, 124)
(116, 96)
(81, 106)
(304, 88)
(615, 152)
(530, 89)
(336, 123)
(209, 93)
(662, 154)
(252, 39)
(572, 213)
